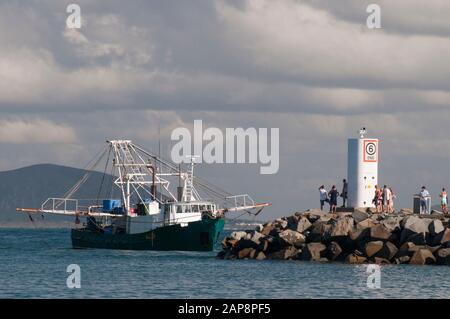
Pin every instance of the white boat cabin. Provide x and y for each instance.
(186, 212)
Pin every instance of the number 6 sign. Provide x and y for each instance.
(370, 151)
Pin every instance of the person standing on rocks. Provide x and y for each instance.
(424, 197)
(393, 196)
(323, 196)
(344, 192)
(444, 201)
(387, 197)
(333, 194)
(378, 199)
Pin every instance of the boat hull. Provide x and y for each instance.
(196, 236)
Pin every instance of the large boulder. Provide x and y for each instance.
(314, 214)
(319, 230)
(302, 225)
(267, 229)
(376, 217)
(368, 223)
(292, 221)
(442, 238)
(334, 251)
(415, 229)
(355, 258)
(359, 215)
(314, 252)
(389, 250)
(436, 227)
(416, 224)
(419, 239)
(392, 223)
(407, 249)
(325, 218)
(402, 260)
(342, 227)
(255, 237)
(260, 256)
(379, 261)
(281, 223)
(284, 254)
(422, 257)
(245, 253)
(229, 242)
(245, 243)
(271, 244)
(443, 256)
(292, 237)
(406, 211)
(237, 235)
(359, 238)
(380, 232)
(373, 247)
(436, 213)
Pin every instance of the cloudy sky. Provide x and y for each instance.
(309, 67)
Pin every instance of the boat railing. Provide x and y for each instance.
(65, 205)
(243, 200)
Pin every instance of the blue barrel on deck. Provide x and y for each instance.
(110, 204)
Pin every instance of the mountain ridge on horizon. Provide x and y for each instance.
(30, 186)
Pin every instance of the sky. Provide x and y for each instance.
(311, 68)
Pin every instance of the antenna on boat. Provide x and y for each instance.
(189, 182)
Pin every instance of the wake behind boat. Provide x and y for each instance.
(147, 213)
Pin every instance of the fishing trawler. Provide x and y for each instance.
(146, 214)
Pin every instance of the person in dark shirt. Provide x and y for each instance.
(344, 192)
(333, 195)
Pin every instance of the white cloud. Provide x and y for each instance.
(35, 131)
(295, 41)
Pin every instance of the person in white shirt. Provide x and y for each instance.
(387, 196)
(424, 196)
(393, 197)
(323, 196)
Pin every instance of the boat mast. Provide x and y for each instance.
(189, 181)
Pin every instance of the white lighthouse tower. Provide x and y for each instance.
(362, 170)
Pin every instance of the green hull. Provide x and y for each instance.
(196, 236)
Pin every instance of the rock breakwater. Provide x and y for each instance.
(359, 236)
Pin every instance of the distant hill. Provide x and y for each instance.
(30, 186)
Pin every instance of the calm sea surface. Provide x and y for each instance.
(33, 264)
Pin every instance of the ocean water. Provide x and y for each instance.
(33, 264)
